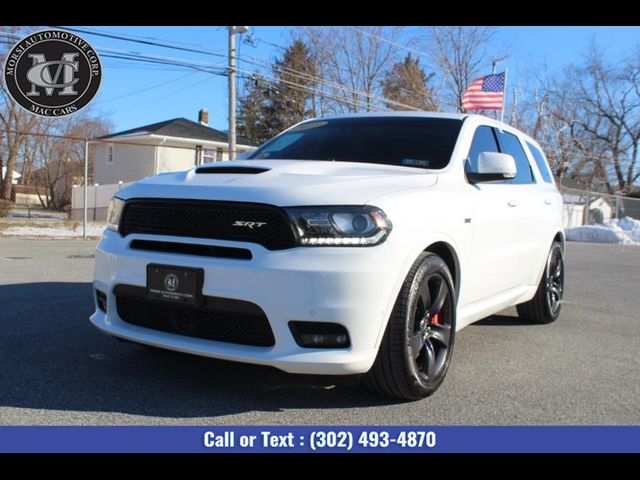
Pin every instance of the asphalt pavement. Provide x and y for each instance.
(56, 369)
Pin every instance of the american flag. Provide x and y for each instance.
(485, 93)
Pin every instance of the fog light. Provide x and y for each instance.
(320, 335)
(101, 298)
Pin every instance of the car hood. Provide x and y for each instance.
(283, 182)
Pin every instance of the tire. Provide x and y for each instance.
(417, 345)
(545, 306)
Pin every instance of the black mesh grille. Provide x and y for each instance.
(229, 321)
(263, 224)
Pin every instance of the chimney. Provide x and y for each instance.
(203, 117)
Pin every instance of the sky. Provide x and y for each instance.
(133, 95)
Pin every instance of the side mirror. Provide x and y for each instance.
(493, 166)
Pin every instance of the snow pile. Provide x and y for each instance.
(94, 230)
(625, 231)
(631, 228)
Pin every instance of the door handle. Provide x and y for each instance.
(512, 203)
(548, 201)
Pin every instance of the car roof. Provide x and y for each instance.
(455, 116)
(447, 115)
(400, 114)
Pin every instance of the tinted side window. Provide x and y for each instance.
(484, 140)
(510, 144)
(540, 161)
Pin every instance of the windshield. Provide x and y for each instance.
(404, 141)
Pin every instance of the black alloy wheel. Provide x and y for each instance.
(545, 306)
(555, 281)
(417, 345)
(430, 340)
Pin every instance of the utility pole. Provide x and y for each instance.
(232, 88)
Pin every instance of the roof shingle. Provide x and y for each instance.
(181, 128)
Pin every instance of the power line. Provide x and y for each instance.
(331, 84)
(270, 43)
(139, 57)
(145, 89)
(114, 63)
(223, 70)
(135, 56)
(144, 42)
(391, 42)
(145, 59)
(324, 81)
(187, 87)
(148, 58)
(143, 37)
(305, 88)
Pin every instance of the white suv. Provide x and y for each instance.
(347, 245)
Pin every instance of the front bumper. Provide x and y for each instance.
(354, 287)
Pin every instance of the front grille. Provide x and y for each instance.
(266, 225)
(221, 319)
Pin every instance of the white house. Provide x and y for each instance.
(172, 145)
(15, 176)
(601, 210)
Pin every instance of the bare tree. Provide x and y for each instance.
(59, 162)
(351, 62)
(15, 123)
(460, 52)
(543, 113)
(588, 120)
(606, 117)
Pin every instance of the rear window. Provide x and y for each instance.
(410, 142)
(541, 162)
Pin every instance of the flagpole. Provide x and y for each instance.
(504, 98)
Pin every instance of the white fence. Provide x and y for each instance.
(98, 197)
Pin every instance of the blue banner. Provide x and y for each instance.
(279, 439)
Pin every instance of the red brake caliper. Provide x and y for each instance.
(436, 319)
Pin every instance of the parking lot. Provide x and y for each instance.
(56, 369)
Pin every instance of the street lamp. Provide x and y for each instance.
(232, 88)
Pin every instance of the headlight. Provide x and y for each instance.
(340, 226)
(113, 213)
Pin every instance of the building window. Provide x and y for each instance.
(219, 154)
(208, 155)
(110, 154)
